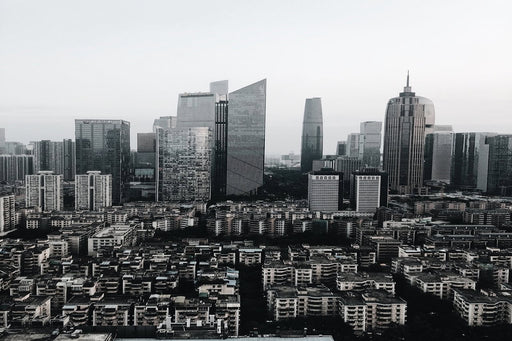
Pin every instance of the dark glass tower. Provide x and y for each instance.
(104, 145)
(312, 134)
(404, 140)
(499, 180)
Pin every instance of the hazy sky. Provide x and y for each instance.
(61, 60)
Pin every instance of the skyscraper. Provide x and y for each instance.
(69, 153)
(499, 179)
(312, 134)
(44, 190)
(341, 148)
(166, 122)
(184, 164)
(57, 156)
(196, 110)
(104, 145)
(93, 191)
(14, 168)
(353, 145)
(438, 156)
(142, 183)
(404, 139)
(470, 160)
(245, 150)
(7, 213)
(370, 137)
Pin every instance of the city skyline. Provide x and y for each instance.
(133, 67)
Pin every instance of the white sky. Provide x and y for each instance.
(61, 60)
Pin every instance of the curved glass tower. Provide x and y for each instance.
(404, 139)
(312, 134)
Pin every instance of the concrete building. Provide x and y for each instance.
(369, 190)
(44, 190)
(7, 213)
(93, 191)
(115, 235)
(325, 191)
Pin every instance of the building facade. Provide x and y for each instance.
(369, 190)
(312, 134)
(93, 191)
(104, 145)
(14, 168)
(404, 140)
(7, 213)
(438, 156)
(324, 191)
(499, 179)
(369, 143)
(44, 190)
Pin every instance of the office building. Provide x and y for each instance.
(404, 140)
(369, 190)
(325, 190)
(370, 137)
(499, 178)
(143, 179)
(347, 165)
(104, 145)
(438, 156)
(470, 160)
(14, 168)
(93, 191)
(245, 150)
(196, 110)
(7, 213)
(56, 156)
(44, 191)
(353, 145)
(184, 164)
(165, 122)
(312, 134)
(341, 148)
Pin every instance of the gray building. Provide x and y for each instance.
(341, 148)
(143, 178)
(165, 122)
(438, 156)
(184, 164)
(404, 139)
(499, 179)
(369, 190)
(93, 191)
(196, 110)
(104, 145)
(353, 144)
(245, 151)
(7, 213)
(14, 168)
(2, 140)
(370, 137)
(44, 190)
(470, 160)
(324, 191)
(312, 134)
(56, 156)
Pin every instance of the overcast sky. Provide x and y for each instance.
(61, 60)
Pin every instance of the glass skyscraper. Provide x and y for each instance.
(312, 134)
(404, 139)
(369, 143)
(438, 156)
(499, 179)
(245, 150)
(104, 145)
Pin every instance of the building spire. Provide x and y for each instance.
(407, 88)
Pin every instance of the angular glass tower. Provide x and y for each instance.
(404, 139)
(245, 150)
(312, 134)
(196, 110)
(104, 145)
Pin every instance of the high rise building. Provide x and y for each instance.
(220, 164)
(104, 145)
(220, 89)
(7, 213)
(93, 191)
(184, 164)
(14, 168)
(196, 110)
(69, 159)
(438, 156)
(142, 183)
(165, 122)
(245, 150)
(499, 179)
(369, 190)
(2, 141)
(324, 190)
(353, 144)
(44, 190)
(346, 165)
(312, 134)
(341, 148)
(470, 160)
(370, 137)
(404, 140)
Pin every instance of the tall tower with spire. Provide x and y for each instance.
(406, 122)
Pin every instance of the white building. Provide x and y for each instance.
(93, 191)
(324, 192)
(116, 235)
(44, 190)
